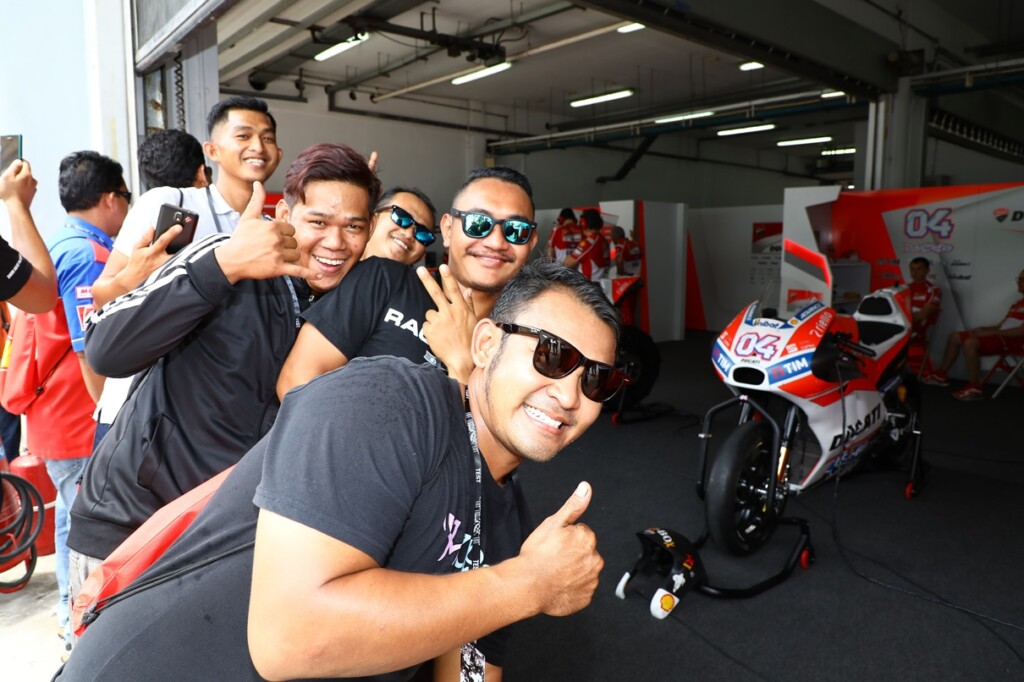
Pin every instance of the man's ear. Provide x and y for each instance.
(281, 211)
(210, 149)
(446, 230)
(486, 340)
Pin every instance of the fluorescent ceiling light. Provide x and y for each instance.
(850, 187)
(835, 152)
(832, 93)
(685, 117)
(806, 140)
(335, 50)
(482, 73)
(748, 129)
(751, 66)
(629, 28)
(608, 97)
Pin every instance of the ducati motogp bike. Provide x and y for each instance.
(817, 393)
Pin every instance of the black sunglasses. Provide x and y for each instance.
(479, 225)
(123, 193)
(399, 216)
(555, 358)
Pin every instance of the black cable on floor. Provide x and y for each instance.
(925, 594)
(722, 652)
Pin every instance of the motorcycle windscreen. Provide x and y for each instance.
(806, 276)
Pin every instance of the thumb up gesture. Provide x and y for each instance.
(260, 248)
(561, 555)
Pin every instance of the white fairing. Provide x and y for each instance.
(774, 356)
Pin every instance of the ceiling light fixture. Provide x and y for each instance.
(806, 140)
(748, 129)
(482, 73)
(751, 66)
(607, 97)
(828, 94)
(629, 28)
(836, 152)
(335, 50)
(685, 117)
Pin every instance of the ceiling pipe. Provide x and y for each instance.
(743, 112)
(511, 58)
(419, 55)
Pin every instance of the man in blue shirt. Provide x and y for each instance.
(60, 424)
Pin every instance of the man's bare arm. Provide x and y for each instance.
(321, 608)
(311, 356)
(17, 189)
(122, 274)
(93, 381)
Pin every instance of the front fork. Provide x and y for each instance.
(782, 438)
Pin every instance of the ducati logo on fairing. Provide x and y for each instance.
(853, 430)
(1002, 214)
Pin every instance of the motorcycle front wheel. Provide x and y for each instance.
(736, 496)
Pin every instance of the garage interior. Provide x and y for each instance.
(890, 93)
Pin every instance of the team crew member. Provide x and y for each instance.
(29, 281)
(591, 255)
(1005, 337)
(213, 327)
(565, 236)
(358, 534)
(403, 226)
(381, 305)
(925, 300)
(625, 253)
(243, 144)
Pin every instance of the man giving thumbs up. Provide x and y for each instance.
(211, 328)
(374, 528)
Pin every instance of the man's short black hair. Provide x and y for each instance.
(567, 214)
(502, 173)
(385, 200)
(921, 260)
(169, 158)
(593, 219)
(541, 276)
(219, 111)
(85, 177)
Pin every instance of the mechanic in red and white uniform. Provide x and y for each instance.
(591, 255)
(1005, 338)
(625, 253)
(565, 236)
(925, 301)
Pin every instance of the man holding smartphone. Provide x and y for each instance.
(243, 144)
(210, 330)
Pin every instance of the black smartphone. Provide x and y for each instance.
(10, 150)
(171, 215)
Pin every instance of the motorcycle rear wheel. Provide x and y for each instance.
(736, 496)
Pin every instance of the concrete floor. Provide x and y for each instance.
(30, 648)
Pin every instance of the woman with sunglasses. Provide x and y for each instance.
(403, 226)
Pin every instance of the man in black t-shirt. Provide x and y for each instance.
(382, 302)
(352, 560)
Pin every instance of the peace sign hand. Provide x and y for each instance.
(449, 329)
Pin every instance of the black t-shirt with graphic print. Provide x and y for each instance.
(375, 455)
(378, 309)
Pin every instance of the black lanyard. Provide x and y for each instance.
(474, 558)
(213, 210)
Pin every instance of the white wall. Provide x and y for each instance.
(63, 87)
(721, 240)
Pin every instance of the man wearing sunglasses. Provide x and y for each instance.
(355, 558)
(381, 308)
(403, 226)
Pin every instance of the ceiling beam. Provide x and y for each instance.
(799, 36)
